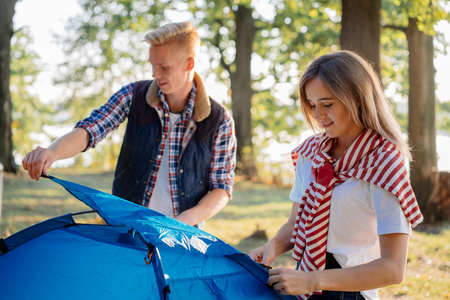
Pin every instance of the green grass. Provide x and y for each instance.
(253, 207)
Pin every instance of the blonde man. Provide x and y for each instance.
(178, 152)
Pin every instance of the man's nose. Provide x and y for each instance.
(156, 73)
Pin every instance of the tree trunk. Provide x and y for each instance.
(6, 32)
(242, 92)
(422, 112)
(361, 29)
(438, 204)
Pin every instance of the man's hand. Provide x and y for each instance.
(37, 162)
(40, 159)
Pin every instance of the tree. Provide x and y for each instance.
(417, 25)
(422, 111)
(361, 29)
(6, 33)
(281, 45)
(241, 87)
(232, 26)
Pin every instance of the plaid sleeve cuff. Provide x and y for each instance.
(228, 187)
(83, 124)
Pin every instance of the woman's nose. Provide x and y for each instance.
(318, 113)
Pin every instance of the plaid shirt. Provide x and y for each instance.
(115, 111)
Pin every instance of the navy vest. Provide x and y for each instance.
(140, 147)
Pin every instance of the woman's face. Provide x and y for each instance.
(331, 113)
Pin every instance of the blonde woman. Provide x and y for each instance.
(178, 153)
(353, 206)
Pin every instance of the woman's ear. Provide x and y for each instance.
(191, 64)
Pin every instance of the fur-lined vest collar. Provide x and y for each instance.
(202, 107)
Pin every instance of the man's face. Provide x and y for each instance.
(170, 69)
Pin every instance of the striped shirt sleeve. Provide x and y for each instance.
(108, 117)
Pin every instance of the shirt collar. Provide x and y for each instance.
(187, 112)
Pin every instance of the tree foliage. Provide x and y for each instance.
(286, 40)
(28, 112)
(105, 50)
(395, 16)
(288, 35)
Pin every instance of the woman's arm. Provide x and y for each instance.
(279, 244)
(388, 269)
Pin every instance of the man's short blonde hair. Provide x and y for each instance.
(183, 34)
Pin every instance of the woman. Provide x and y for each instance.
(352, 203)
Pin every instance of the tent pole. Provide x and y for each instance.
(84, 212)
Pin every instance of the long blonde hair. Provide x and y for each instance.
(352, 80)
(183, 34)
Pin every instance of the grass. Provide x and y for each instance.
(254, 208)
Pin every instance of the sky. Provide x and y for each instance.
(48, 17)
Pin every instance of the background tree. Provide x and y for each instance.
(361, 29)
(231, 30)
(260, 56)
(422, 111)
(417, 25)
(6, 32)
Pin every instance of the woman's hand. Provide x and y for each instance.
(292, 282)
(264, 255)
(279, 244)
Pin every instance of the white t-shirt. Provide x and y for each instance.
(359, 213)
(161, 199)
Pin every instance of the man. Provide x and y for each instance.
(178, 153)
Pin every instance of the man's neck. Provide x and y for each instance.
(178, 101)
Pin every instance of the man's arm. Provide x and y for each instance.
(208, 206)
(88, 133)
(40, 159)
(221, 179)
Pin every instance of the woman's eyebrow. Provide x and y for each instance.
(322, 99)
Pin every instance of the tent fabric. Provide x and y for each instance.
(33, 231)
(138, 254)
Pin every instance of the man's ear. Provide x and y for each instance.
(191, 64)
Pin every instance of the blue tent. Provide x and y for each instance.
(138, 254)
